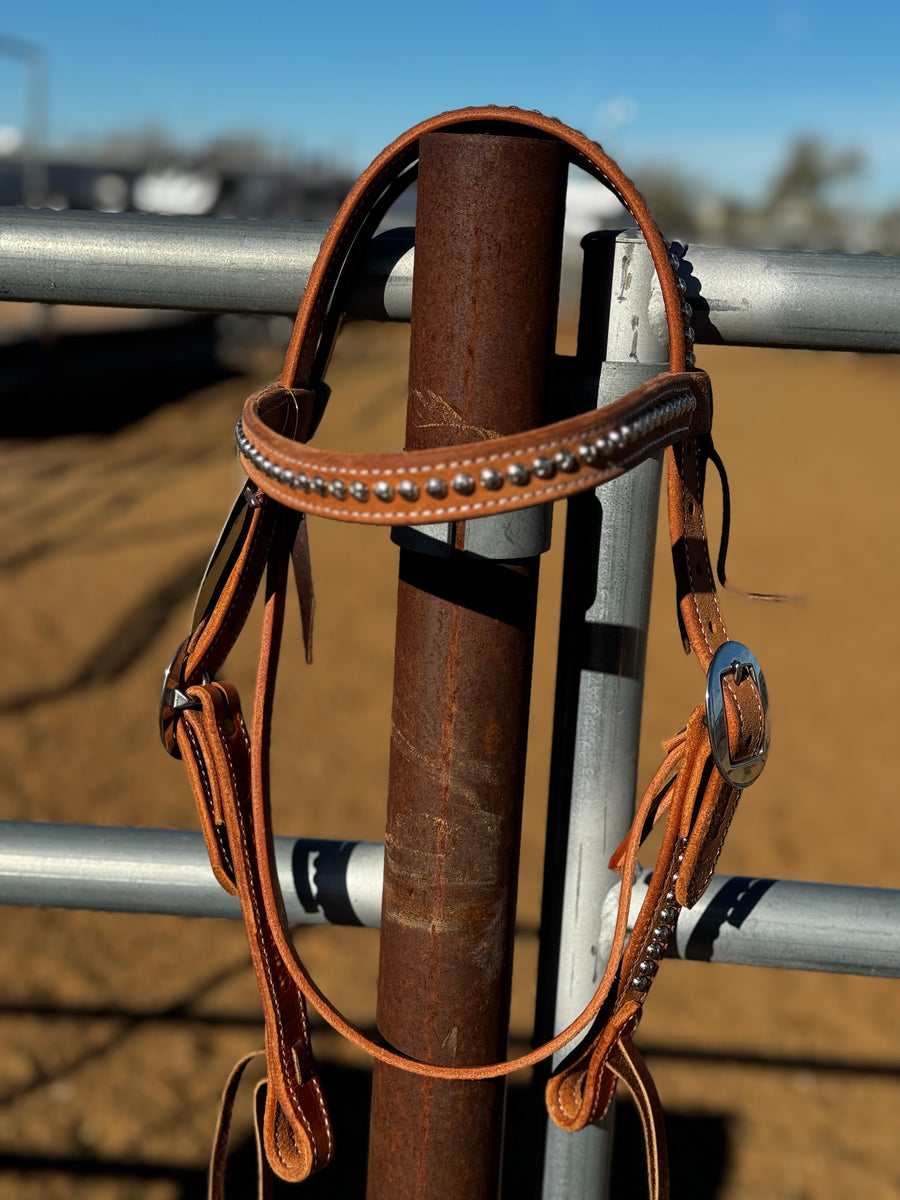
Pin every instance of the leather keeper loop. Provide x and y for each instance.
(294, 412)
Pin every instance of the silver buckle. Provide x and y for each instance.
(733, 658)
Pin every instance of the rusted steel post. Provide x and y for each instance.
(485, 293)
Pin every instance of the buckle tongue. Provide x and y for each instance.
(733, 658)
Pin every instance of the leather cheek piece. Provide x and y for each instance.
(213, 740)
(581, 1093)
(698, 602)
(296, 1149)
(276, 1140)
(707, 838)
(703, 804)
(216, 758)
(214, 637)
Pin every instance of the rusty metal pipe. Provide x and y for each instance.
(485, 295)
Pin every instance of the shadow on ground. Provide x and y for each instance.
(101, 381)
(699, 1159)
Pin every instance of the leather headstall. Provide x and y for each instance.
(697, 787)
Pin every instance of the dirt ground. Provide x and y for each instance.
(117, 1031)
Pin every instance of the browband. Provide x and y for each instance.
(696, 787)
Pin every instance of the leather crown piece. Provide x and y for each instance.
(697, 786)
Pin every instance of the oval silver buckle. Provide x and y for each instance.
(733, 658)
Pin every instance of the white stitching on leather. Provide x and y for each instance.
(291, 1082)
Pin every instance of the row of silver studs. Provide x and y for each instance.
(587, 454)
(676, 253)
(667, 918)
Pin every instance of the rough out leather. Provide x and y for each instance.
(228, 765)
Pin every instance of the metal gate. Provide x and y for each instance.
(739, 297)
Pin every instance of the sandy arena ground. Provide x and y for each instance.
(117, 1032)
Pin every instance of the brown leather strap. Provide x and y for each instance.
(219, 1156)
(398, 158)
(476, 479)
(297, 1128)
(628, 1064)
(297, 1116)
(281, 974)
(229, 772)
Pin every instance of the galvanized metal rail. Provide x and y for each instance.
(133, 260)
(741, 920)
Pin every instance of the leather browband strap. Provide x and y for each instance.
(471, 480)
(228, 768)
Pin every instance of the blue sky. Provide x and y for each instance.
(717, 88)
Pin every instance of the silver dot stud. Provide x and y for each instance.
(588, 454)
(359, 491)
(436, 487)
(517, 474)
(320, 487)
(491, 479)
(641, 982)
(655, 950)
(463, 484)
(338, 489)
(408, 489)
(544, 468)
(566, 460)
(383, 490)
